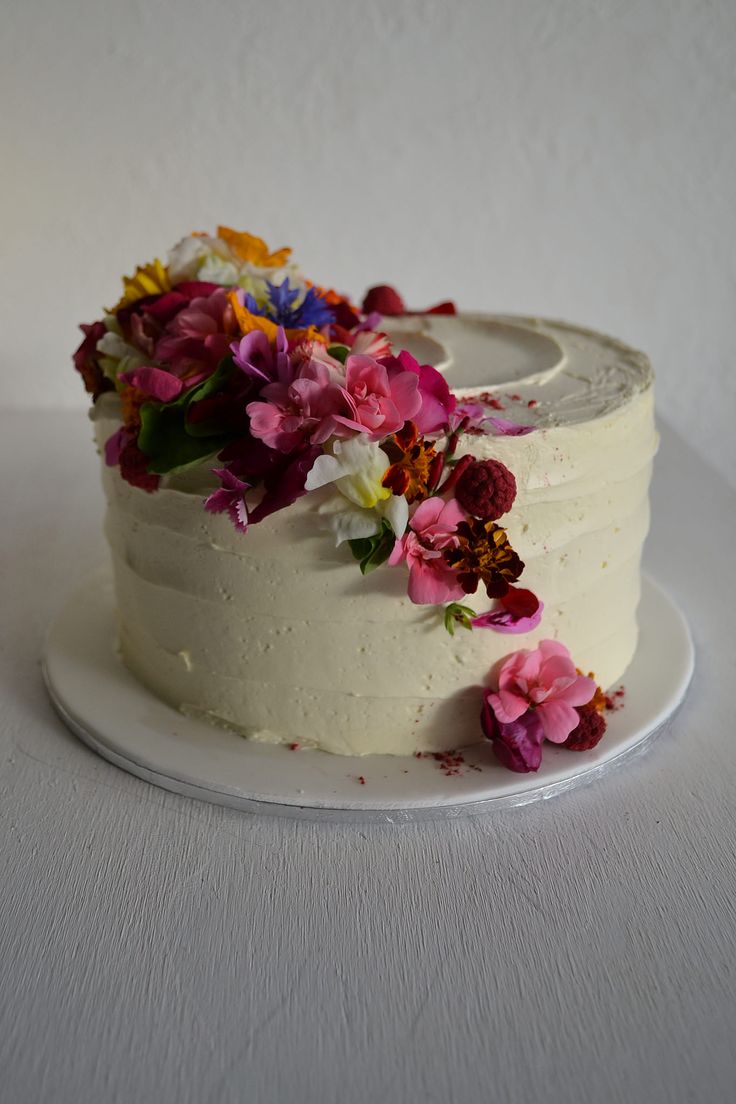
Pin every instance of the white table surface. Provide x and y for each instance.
(153, 948)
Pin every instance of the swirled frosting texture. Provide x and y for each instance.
(276, 634)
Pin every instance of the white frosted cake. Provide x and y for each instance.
(270, 629)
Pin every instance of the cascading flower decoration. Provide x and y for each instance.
(226, 355)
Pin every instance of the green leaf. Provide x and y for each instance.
(339, 352)
(171, 444)
(455, 614)
(371, 552)
(164, 439)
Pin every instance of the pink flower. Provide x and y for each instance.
(431, 530)
(376, 403)
(518, 611)
(198, 337)
(229, 498)
(546, 681)
(288, 416)
(369, 343)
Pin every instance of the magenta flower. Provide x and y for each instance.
(544, 680)
(288, 416)
(376, 403)
(229, 498)
(154, 382)
(518, 611)
(437, 401)
(282, 476)
(517, 744)
(431, 530)
(115, 444)
(198, 337)
(255, 356)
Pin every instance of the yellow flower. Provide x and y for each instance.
(247, 247)
(150, 279)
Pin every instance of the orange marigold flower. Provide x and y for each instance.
(414, 471)
(484, 555)
(598, 701)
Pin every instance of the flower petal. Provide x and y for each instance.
(558, 720)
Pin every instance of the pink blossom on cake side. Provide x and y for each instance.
(545, 680)
(431, 530)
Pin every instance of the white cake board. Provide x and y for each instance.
(120, 719)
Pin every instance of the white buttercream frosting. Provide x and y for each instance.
(277, 634)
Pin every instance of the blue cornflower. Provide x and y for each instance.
(312, 311)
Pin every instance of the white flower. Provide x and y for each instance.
(117, 356)
(359, 502)
(208, 258)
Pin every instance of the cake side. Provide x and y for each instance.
(275, 634)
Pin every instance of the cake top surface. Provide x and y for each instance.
(540, 373)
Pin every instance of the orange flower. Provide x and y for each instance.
(249, 248)
(131, 401)
(414, 470)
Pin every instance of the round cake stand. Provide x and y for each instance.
(118, 718)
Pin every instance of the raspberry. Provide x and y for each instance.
(486, 489)
(134, 468)
(384, 299)
(588, 732)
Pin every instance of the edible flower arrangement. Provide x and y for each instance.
(227, 355)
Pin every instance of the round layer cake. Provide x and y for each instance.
(273, 632)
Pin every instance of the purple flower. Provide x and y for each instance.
(286, 485)
(312, 311)
(230, 498)
(283, 476)
(254, 355)
(517, 744)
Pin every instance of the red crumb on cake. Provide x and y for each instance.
(532, 403)
(294, 747)
(615, 700)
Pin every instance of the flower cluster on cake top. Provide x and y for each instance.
(227, 355)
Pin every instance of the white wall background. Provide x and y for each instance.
(569, 158)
